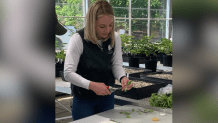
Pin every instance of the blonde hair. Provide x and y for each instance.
(95, 11)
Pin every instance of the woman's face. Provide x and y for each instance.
(103, 26)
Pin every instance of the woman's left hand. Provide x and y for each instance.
(124, 82)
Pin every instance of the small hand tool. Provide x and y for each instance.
(113, 89)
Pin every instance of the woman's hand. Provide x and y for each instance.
(124, 82)
(99, 88)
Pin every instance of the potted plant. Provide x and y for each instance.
(131, 47)
(149, 50)
(165, 47)
(59, 58)
(124, 42)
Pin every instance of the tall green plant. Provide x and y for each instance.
(147, 47)
(130, 45)
(165, 46)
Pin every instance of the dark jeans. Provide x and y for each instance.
(84, 108)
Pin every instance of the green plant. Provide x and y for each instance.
(61, 54)
(150, 110)
(147, 47)
(129, 45)
(165, 46)
(128, 84)
(161, 100)
(139, 111)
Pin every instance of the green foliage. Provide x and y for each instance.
(70, 8)
(147, 47)
(137, 13)
(74, 8)
(150, 110)
(138, 111)
(61, 54)
(165, 46)
(127, 113)
(161, 100)
(128, 84)
(129, 45)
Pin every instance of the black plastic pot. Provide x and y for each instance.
(167, 60)
(134, 62)
(158, 56)
(151, 64)
(125, 58)
(161, 57)
(58, 67)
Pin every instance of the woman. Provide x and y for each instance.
(93, 62)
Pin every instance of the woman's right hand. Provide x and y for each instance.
(99, 88)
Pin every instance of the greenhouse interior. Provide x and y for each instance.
(144, 28)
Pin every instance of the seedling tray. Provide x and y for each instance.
(142, 76)
(140, 93)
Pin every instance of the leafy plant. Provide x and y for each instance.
(165, 46)
(61, 54)
(161, 100)
(130, 45)
(128, 84)
(127, 43)
(147, 47)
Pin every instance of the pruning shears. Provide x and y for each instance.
(113, 89)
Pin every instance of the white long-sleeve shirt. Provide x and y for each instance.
(75, 50)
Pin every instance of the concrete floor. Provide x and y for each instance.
(61, 112)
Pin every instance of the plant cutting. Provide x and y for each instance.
(140, 112)
(161, 100)
(127, 84)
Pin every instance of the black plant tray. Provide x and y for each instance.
(140, 93)
(126, 59)
(142, 76)
(135, 68)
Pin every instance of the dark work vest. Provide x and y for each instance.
(95, 64)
